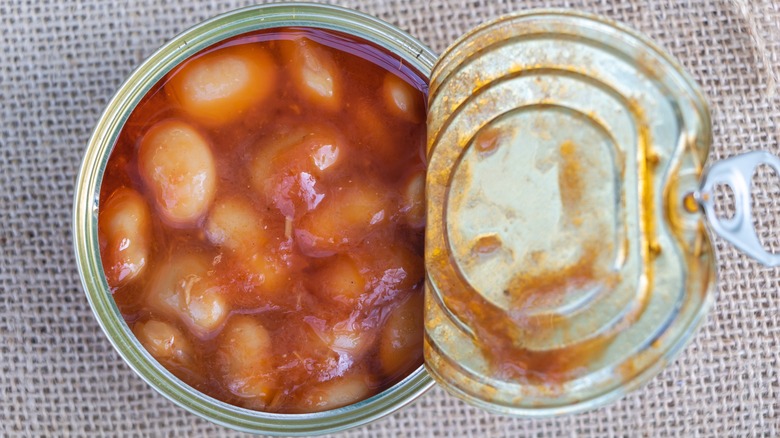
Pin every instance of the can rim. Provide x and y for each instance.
(86, 195)
(559, 12)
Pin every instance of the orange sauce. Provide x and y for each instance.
(271, 288)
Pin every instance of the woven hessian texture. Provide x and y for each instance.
(59, 376)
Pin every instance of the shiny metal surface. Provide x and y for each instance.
(562, 269)
(737, 173)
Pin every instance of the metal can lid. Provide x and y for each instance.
(562, 267)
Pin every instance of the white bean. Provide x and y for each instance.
(350, 338)
(271, 273)
(335, 393)
(220, 86)
(125, 230)
(176, 163)
(164, 342)
(349, 214)
(394, 264)
(401, 343)
(315, 74)
(184, 288)
(402, 100)
(287, 167)
(413, 199)
(340, 280)
(246, 357)
(233, 224)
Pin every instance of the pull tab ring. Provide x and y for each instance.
(737, 173)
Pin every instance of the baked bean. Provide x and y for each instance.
(402, 337)
(269, 177)
(176, 164)
(345, 217)
(339, 280)
(393, 264)
(270, 272)
(335, 393)
(401, 99)
(314, 73)
(233, 224)
(164, 342)
(316, 149)
(220, 86)
(413, 199)
(375, 133)
(286, 170)
(351, 338)
(246, 357)
(124, 224)
(348, 337)
(184, 287)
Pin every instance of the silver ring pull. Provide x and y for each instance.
(737, 173)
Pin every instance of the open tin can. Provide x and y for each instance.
(567, 252)
(405, 48)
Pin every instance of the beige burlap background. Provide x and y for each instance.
(60, 62)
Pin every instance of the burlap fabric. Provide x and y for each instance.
(59, 376)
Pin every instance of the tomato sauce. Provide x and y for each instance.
(262, 218)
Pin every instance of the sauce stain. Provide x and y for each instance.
(486, 245)
(487, 141)
(547, 286)
(570, 181)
